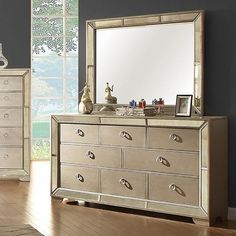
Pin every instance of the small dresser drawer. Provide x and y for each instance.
(161, 161)
(173, 189)
(11, 117)
(179, 139)
(122, 136)
(11, 84)
(79, 178)
(90, 155)
(76, 133)
(11, 136)
(11, 100)
(123, 183)
(11, 158)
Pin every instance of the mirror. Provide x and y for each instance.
(155, 56)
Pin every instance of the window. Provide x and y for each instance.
(54, 67)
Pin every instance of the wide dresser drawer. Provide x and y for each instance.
(178, 162)
(79, 178)
(178, 139)
(11, 83)
(11, 100)
(122, 136)
(11, 158)
(91, 155)
(175, 189)
(76, 133)
(123, 183)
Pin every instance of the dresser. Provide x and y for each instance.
(15, 124)
(164, 164)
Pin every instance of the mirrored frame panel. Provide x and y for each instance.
(195, 18)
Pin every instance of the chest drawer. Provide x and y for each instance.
(11, 99)
(91, 155)
(175, 189)
(10, 158)
(79, 178)
(10, 83)
(122, 136)
(76, 133)
(11, 117)
(179, 139)
(11, 136)
(123, 183)
(161, 161)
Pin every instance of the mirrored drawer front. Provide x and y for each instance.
(90, 155)
(173, 189)
(179, 139)
(161, 161)
(11, 99)
(11, 83)
(79, 133)
(11, 158)
(11, 117)
(123, 183)
(79, 178)
(122, 136)
(11, 136)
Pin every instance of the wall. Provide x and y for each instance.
(220, 53)
(15, 31)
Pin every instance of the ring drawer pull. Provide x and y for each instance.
(5, 156)
(122, 181)
(163, 161)
(6, 98)
(6, 115)
(124, 134)
(80, 177)
(177, 189)
(5, 135)
(173, 187)
(173, 137)
(80, 132)
(6, 81)
(125, 183)
(160, 159)
(90, 155)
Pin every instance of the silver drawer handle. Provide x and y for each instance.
(90, 155)
(172, 187)
(6, 81)
(80, 132)
(5, 156)
(5, 135)
(122, 181)
(125, 183)
(6, 116)
(124, 134)
(79, 177)
(6, 98)
(173, 137)
(160, 159)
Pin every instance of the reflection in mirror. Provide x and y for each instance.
(154, 56)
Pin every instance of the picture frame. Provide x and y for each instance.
(183, 105)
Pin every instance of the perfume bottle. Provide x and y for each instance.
(3, 60)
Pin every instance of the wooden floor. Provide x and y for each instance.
(30, 203)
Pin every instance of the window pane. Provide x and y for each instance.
(47, 67)
(45, 26)
(40, 149)
(47, 46)
(40, 129)
(47, 7)
(72, 68)
(72, 7)
(72, 28)
(47, 88)
(72, 105)
(72, 88)
(72, 46)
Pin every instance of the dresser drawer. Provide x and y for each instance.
(179, 139)
(79, 178)
(10, 83)
(175, 189)
(122, 136)
(76, 133)
(90, 155)
(161, 161)
(10, 158)
(123, 183)
(11, 136)
(11, 117)
(11, 99)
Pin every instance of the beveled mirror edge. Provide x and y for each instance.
(165, 18)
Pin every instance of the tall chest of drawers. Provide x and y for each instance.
(166, 164)
(15, 124)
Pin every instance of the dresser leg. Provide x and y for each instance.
(24, 178)
(202, 222)
(73, 202)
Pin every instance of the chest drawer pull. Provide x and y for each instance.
(125, 183)
(6, 81)
(176, 138)
(6, 116)
(172, 187)
(124, 134)
(177, 189)
(5, 156)
(90, 155)
(6, 98)
(80, 132)
(80, 177)
(5, 135)
(163, 161)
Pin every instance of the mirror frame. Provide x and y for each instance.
(197, 17)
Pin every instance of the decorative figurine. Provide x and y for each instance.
(109, 99)
(85, 105)
(160, 105)
(142, 103)
(3, 59)
(132, 104)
